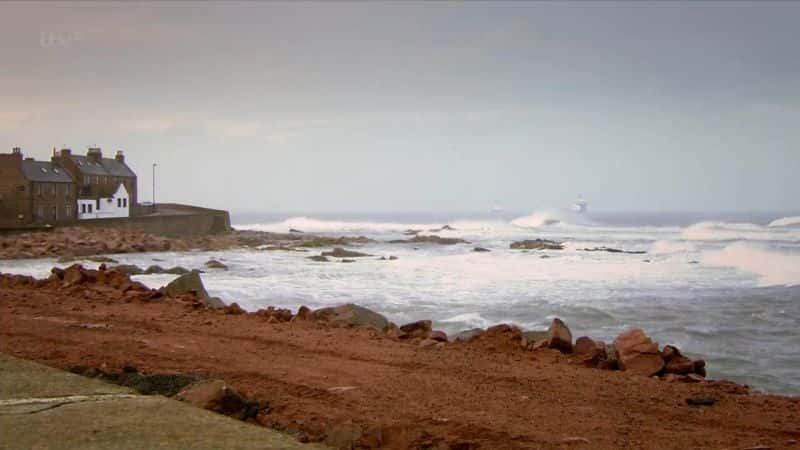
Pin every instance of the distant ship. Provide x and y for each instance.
(580, 205)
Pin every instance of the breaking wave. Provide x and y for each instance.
(724, 231)
(785, 222)
(772, 267)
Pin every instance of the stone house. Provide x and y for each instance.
(107, 187)
(65, 189)
(35, 191)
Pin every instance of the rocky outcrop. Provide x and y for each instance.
(480, 250)
(430, 239)
(537, 244)
(339, 252)
(590, 351)
(352, 315)
(637, 353)
(324, 241)
(156, 269)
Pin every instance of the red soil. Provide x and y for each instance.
(321, 380)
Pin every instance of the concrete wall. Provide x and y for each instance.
(170, 220)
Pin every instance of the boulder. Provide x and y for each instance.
(468, 335)
(191, 283)
(354, 315)
(177, 270)
(591, 352)
(480, 250)
(559, 337)
(234, 309)
(610, 362)
(537, 244)
(214, 264)
(74, 274)
(304, 313)
(217, 396)
(129, 269)
(438, 336)
(637, 353)
(339, 252)
(418, 329)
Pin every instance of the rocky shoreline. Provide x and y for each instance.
(347, 376)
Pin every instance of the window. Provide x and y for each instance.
(96, 179)
(89, 207)
(68, 211)
(119, 203)
(124, 202)
(66, 190)
(38, 189)
(87, 179)
(55, 213)
(40, 212)
(53, 187)
(83, 208)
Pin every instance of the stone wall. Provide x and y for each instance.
(171, 220)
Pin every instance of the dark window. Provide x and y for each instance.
(125, 202)
(90, 207)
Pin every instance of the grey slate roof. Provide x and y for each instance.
(107, 166)
(45, 171)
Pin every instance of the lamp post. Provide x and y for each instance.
(154, 186)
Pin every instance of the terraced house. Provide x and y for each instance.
(65, 189)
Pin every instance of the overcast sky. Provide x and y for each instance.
(359, 107)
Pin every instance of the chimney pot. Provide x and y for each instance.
(120, 156)
(66, 152)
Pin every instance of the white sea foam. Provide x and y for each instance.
(470, 320)
(785, 222)
(772, 267)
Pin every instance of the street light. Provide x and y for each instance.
(154, 186)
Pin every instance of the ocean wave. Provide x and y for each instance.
(772, 267)
(785, 222)
(548, 218)
(725, 231)
(470, 320)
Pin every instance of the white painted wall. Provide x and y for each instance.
(118, 205)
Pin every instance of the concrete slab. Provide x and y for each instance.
(45, 408)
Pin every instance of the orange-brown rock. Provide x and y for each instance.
(637, 353)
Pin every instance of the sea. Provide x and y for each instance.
(720, 286)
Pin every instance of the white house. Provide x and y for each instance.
(105, 207)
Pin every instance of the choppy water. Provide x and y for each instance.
(722, 287)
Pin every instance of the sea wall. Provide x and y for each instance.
(169, 219)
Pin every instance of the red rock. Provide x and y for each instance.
(234, 308)
(304, 313)
(559, 336)
(418, 329)
(74, 274)
(637, 353)
(699, 367)
(438, 336)
(591, 352)
(680, 365)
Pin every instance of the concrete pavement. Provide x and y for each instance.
(46, 408)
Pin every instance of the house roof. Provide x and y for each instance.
(45, 171)
(117, 168)
(106, 166)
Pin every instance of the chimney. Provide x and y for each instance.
(95, 154)
(16, 151)
(66, 153)
(120, 156)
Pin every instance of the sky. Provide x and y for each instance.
(417, 107)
